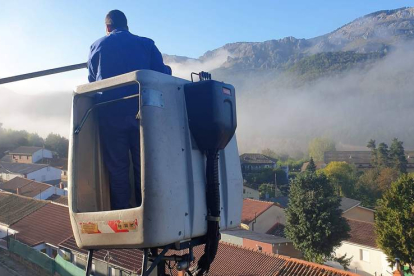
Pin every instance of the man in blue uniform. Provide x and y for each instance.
(117, 53)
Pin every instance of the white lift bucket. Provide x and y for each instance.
(173, 180)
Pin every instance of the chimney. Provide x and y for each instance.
(18, 191)
(61, 186)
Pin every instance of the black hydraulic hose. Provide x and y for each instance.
(213, 215)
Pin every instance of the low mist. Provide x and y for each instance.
(276, 112)
(275, 109)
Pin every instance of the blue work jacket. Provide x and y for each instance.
(118, 53)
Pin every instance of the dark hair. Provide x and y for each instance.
(116, 19)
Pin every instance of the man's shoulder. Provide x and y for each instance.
(99, 42)
(144, 40)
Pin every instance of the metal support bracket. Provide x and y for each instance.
(147, 272)
(89, 263)
(85, 117)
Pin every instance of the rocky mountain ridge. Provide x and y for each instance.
(376, 32)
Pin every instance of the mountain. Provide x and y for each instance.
(352, 84)
(377, 32)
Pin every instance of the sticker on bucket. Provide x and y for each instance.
(109, 227)
(89, 228)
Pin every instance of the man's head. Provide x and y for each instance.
(115, 19)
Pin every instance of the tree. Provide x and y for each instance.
(394, 221)
(57, 143)
(397, 156)
(367, 189)
(314, 221)
(266, 191)
(382, 155)
(386, 177)
(343, 176)
(35, 140)
(311, 166)
(270, 153)
(372, 146)
(318, 146)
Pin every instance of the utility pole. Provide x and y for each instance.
(275, 184)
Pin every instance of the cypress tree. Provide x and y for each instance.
(314, 221)
(373, 147)
(382, 154)
(311, 166)
(397, 156)
(394, 221)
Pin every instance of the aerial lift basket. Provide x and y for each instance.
(173, 175)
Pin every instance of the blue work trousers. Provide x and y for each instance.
(120, 137)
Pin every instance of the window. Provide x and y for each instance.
(364, 255)
(244, 191)
(54, 253)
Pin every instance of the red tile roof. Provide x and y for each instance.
(14, 207)
(130, 259)
(232, 260)
(277, 229)
(362, 233)
(27, 187)
(49, 224)
(58, 199)
(253, 208)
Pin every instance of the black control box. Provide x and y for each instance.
(211, 110)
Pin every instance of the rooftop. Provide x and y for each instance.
(130, 259)
(348, 203)
(25, 150)
(233, 260)
(58, 199)
(49, 224)
(358, 157)
(60, 163)
(6, 158)
(277, 229)
(251, 235)
(253, 208)
(29, 188)
(319, 165)
(256, 158)
(20, 168)
(362, 233)
(14, 207)
(282, 201)
(230, 260)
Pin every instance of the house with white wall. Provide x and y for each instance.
(31, 188)
(352, 209)
(29, 154)
(250, 193)
(367, 257)
(37, 172)
(261, 216)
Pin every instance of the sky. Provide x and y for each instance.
(42, 34)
